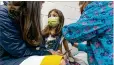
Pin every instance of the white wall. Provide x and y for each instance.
(1, 3)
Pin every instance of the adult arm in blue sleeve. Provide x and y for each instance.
(93, 22)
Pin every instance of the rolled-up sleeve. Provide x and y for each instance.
(82, 47)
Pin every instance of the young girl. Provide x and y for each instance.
(52, 32)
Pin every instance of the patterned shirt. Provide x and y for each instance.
(96, 27)
(52, 43)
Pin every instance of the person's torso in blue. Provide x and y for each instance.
(96, 27)
(13, 49)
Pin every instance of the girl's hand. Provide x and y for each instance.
(59, 53)
(56, 52)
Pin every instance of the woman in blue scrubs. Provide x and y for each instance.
(96, 27)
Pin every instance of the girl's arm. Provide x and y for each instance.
(65, 44)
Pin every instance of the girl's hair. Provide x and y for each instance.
(83, 4)
(57, 31)
(27, 14)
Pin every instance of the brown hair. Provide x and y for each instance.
(84, 4)
(28, 16)
(57, 31)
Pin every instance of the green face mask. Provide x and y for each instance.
(53, 21)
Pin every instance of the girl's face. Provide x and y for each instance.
(53, 19)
